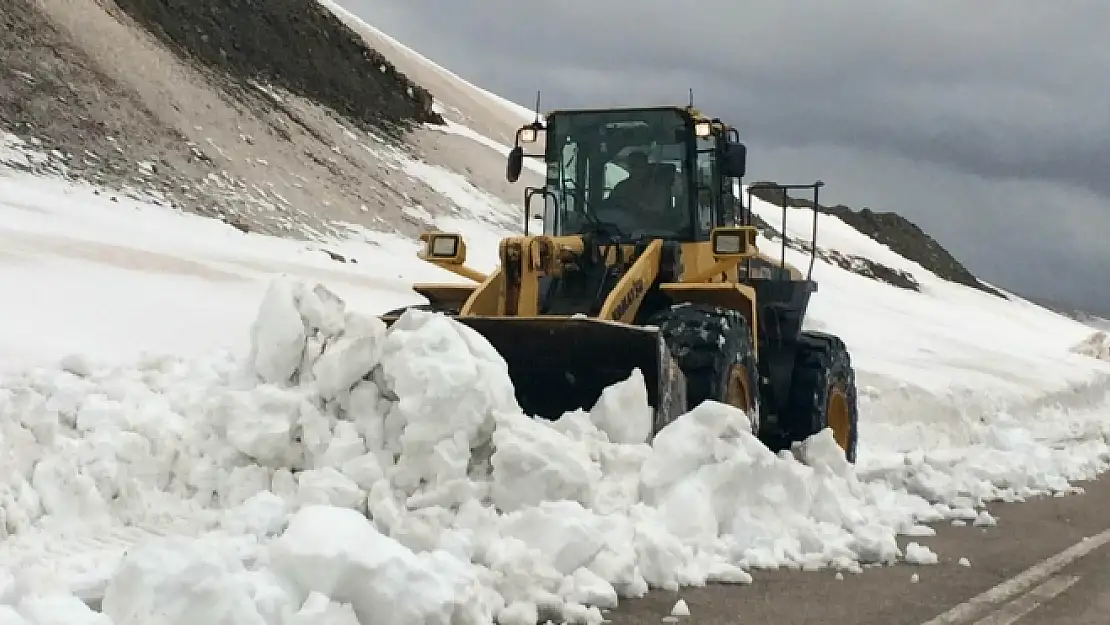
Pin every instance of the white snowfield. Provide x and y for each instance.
(203, 426)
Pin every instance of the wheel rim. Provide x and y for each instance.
(737, 393)
(838, 418)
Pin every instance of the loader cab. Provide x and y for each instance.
(631, 174)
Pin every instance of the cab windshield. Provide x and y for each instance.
(619, 171)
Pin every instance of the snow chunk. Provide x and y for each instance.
(623, 412)
(180, 581)
(320, 610)
(351, 357)
(278, 335)
(984, 519)
(54, 609)
(263, 514)
(563, 531)
(9, 616)
(920, 554)
(328, 486)
(338, 553)
(450, 385)
(265, 422)
(534, 463)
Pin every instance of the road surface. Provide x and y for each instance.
(1047, 561)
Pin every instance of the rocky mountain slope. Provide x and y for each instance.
(293, 44)
(289, 117)
(272, 115)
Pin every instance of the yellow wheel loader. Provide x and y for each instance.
(646, 259)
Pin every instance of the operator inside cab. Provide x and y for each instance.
(634, 188)
(645, 199)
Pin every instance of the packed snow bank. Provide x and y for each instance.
(127, 277)
(341, 462)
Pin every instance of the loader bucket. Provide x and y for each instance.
(559, 364)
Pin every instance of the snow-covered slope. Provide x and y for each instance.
(211, 424)
(456, 99)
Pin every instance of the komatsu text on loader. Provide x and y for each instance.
(647, 259)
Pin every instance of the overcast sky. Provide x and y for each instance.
(987, 123)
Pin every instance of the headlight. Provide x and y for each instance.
(733, 241)
(445, 246)
(728, 244)
(527, 135)
(703, 129)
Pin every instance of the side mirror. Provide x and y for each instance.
(515, 164)
(735, 163)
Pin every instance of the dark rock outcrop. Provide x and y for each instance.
(296, 44)
(901, 235)
(848, 262)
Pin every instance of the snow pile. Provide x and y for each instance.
(1096, 346)
(349, 473)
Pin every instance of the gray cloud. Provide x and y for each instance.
(988, 123)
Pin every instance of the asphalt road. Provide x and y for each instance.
(1047, 561)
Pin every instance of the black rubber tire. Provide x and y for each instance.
(708, 342)
(822, 368)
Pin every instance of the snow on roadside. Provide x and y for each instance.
(120, 278)
(340, 456)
